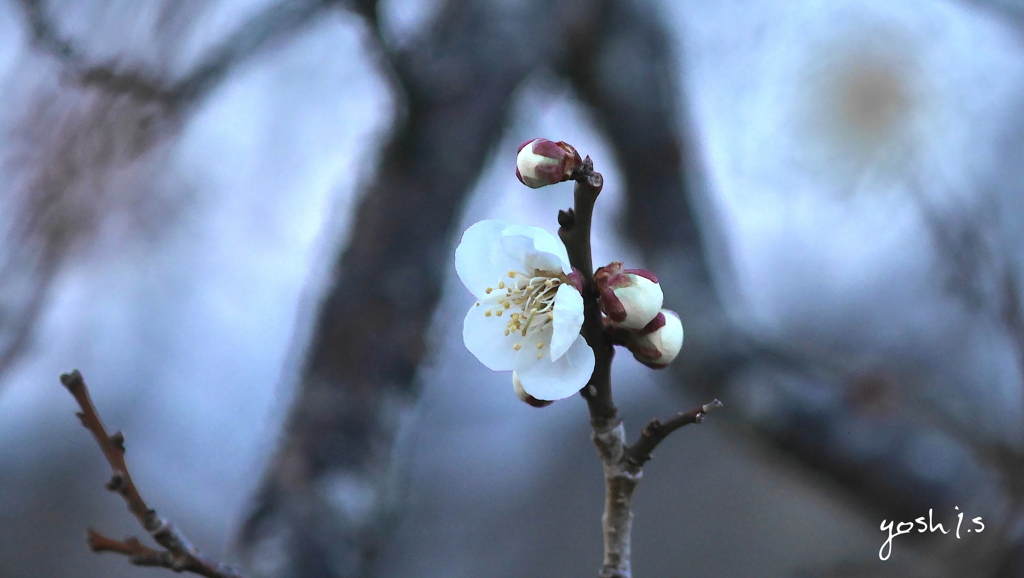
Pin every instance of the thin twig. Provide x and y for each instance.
(656, 431)
(180, 554)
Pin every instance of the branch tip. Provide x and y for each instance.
(72, 379)
(709, 407)
(178, 553)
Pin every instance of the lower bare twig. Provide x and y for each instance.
(179, 554)
(656, 431)
(623, 468)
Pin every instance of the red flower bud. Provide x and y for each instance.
(541, 162)
(657, 344)
(630, 298)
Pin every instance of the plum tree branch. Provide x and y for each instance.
(656, 431)
(574, 230)
(623, 465)
(179, 554)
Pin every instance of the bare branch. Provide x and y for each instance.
(180, 554)
(656, 431)
(45, 35)
(266, 29)
(622, 472)
(574, 230)
(617, 521)
(622, 465)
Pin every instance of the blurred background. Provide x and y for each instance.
(237, 219)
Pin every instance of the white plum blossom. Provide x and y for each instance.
(529, 309)
(659, 343)
(631, 298)
(541, 162)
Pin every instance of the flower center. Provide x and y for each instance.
(530, 302)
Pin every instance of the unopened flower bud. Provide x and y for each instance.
(631, 298)
(521, 393)
(659, 343)
(541, 162)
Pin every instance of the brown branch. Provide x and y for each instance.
(617, 522)
(622, 464)
(656, 431)
(137, 553)
(180, 554)
(574, 230)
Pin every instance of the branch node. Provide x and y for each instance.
(116, 483)
(72, 379)
(118, 440)
(179, 554)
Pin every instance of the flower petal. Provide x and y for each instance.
(485, 337)
(551, 380)
(568, 319)
(480, 260)
(536, 248)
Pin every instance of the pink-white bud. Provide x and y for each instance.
(521, 393)
(631, 298)
(659, 343)
(541, 162)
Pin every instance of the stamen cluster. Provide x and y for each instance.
(530, 301)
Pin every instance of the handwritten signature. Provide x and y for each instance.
(896, 529)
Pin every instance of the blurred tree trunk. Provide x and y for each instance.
(333, 490)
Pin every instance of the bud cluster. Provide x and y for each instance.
(630, 299)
